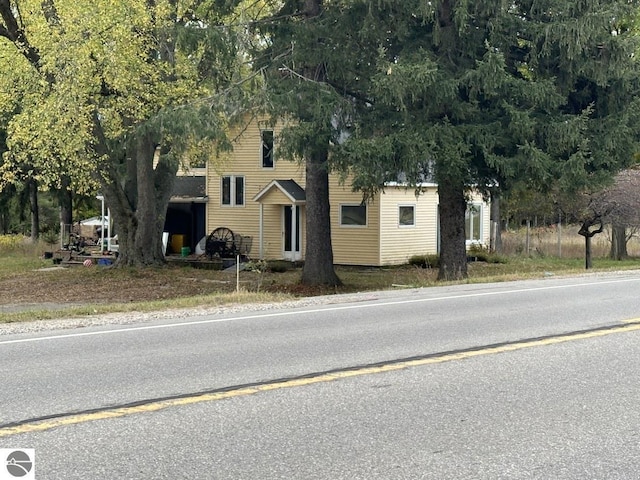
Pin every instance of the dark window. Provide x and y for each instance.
(226, 190)
(353, 215)
(239, 193)
(267, 148)
(232, 191)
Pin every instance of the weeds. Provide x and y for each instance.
(103, 290)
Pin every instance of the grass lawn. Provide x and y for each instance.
(31, 288)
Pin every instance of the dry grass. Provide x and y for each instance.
(561, 242)
(82, 291)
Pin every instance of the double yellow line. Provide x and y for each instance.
(156, 405)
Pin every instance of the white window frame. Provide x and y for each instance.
(350, 225)
(407, 205)
(469, 235)
(232, 190)
(273, 148)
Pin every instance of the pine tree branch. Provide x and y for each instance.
(336, 86)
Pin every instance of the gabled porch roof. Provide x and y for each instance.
(289, 188)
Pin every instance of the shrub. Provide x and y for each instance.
(480, 253)
(425, 261)
(279, 266)
(11, 243)
(258, 266)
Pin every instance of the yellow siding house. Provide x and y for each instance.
(257, 195)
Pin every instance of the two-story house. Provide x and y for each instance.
(255, 194)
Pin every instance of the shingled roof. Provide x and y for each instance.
(189, 188)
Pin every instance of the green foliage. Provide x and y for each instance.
(115, 95)
(279, 266)
(11, 243)
(258, 266)
(425, 261)
(480, 253)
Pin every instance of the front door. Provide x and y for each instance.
(291, 232)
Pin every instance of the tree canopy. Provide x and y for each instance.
(479, 95)
(112, 93)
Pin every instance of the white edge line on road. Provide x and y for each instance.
(313, 310)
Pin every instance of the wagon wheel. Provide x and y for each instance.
(223, 234)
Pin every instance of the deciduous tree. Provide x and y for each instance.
(112, 92)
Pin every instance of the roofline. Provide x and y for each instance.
(189, 200)
(408, 185)
(274, 183)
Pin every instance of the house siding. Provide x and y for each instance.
(399, 243)
(353, 245)
(245, 160)
(382, 241)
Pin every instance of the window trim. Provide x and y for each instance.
(407, 205)
(273, 148)
(480, 215)
(233, 179)
(351, 225)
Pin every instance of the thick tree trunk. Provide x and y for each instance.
(139, 208)
(453, 250)
(35, 211)
(618, 242)
(318, 265)
(138, 199)
(153, 193)
(587, 252)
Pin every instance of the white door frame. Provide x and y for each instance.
(294, 253)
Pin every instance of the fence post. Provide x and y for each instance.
(560, 236)
(237, 273)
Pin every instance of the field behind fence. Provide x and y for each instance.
(564, 242)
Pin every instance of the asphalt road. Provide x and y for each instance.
(471, 381)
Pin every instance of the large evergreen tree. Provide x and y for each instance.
(299, 88)
(478, 94)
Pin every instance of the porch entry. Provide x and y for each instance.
(291, 232)
(287, 198)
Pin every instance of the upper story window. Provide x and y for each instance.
(406, 215)
(473, 222)
(266, 140)
(353, 215)
(232, 190)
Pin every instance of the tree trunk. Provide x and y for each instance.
(138, 199)
(139, 207)
(587, 252)
(35, 212)
(318, 266)
(65, 200)
(453, 250)
(588, 235)
(618, 242)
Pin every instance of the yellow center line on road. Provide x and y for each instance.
(156, 405)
